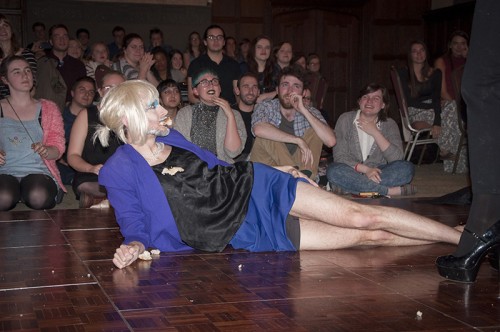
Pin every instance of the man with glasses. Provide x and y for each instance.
(211, 123)
(226, 68)
(287, 132)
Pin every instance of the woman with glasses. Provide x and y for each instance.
(212, 123)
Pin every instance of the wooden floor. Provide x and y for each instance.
(56, 275)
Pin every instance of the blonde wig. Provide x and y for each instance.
(123, 111)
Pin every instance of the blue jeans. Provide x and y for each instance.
(394, 174)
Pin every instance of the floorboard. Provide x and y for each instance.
(56, 274)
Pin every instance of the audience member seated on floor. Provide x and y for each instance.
(87, 156)
(158, 184)
(160, 68)
(99, 55)
(211, 123)
(368, 156)
(134, 62)
(247, 91)
(32, 140)
(286, 132)
(260, 62)
(9, 45)
(170, 99)
(422, 89)
(178, 72)
(83, 94)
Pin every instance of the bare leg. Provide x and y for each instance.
(315, 204)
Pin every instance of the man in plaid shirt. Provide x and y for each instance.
(286, 131)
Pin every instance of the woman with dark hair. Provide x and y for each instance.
(160, 69)
(134, 63)
(260, 62)
(422, 88)
(194, 49)
(454, 58)
(31, 140)
(178, 71)
(10, 46)
(368, 156)
(283, 54)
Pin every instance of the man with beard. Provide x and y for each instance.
(211, 123)
(247, 90)
(286, 131)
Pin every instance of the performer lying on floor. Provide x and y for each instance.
(172, 195)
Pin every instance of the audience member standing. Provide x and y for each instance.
(56, 84)
(227, 69)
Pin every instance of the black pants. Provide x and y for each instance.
(481, 91)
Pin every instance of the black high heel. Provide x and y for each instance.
(494, 258)
(465, 268)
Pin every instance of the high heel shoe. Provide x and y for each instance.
(465, 268)
(494, 258)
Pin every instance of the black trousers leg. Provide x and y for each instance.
(481, 91)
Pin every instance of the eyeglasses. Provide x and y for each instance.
(205, 83)
(107, 88)
(218, 37)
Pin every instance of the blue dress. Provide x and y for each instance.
(144, 214)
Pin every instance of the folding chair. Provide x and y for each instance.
(456, 79)
(413, 136)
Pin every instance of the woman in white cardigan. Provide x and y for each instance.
(211, 123)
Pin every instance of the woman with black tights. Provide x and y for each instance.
(32, 140)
